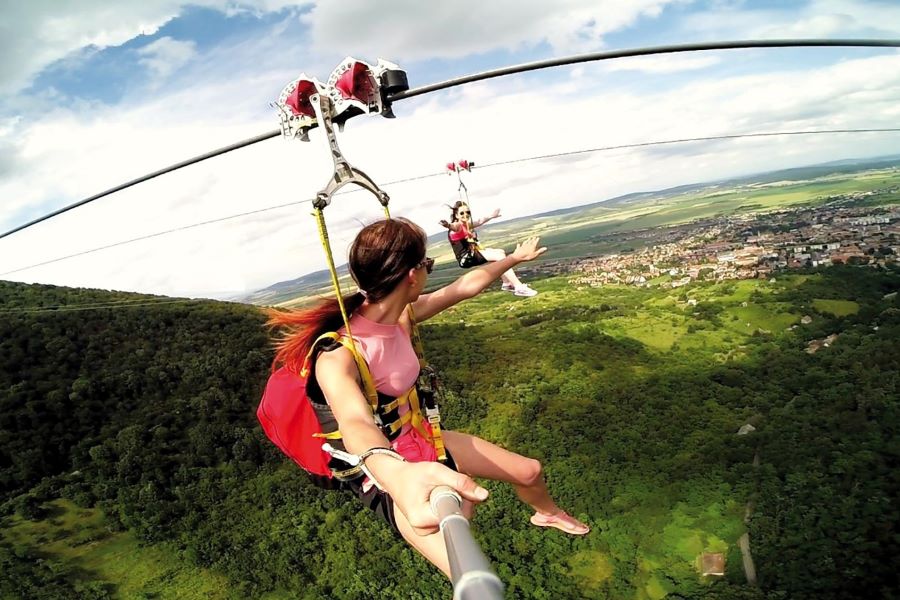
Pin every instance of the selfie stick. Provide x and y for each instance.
(471, 573)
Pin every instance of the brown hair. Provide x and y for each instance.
(380, 257)
(455, 209)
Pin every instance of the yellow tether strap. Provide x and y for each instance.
(372, 395)
(323, 237)
(416, 338)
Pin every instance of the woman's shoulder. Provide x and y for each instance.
(340, 346)
(333, 358)
(459, 233)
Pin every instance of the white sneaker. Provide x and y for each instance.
(525, 291)
(508, 287)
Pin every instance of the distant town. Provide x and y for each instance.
(746, 246)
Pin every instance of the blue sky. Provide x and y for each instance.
(95, 95)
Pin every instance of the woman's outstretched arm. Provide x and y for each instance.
(409, 484)
(484, 220)
(454, 226)
(474, 281)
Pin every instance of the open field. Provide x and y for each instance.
(838, 308)
(724, 313)
(78, 537)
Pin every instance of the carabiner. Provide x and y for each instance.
(344, 173)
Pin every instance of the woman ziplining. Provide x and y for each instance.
(463, 235)
(388, 263)
(465, 485)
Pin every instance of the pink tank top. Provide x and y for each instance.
(394, 366)
(461, 234)
(388, 352)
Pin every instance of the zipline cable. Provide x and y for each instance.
(199, 224)
(522, 68)
(483, 166)
(671, 49)
(708, 138)
(149, 176)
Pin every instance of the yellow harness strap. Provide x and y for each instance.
(403, 420)
(413, 416)
(417, 422)
(415, 337)
(434, 420)
(364, 374)
(398, 401)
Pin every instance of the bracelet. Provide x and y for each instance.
(379, 450)
(362, 462)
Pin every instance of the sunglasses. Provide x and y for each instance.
(426, 262)
(463, 213)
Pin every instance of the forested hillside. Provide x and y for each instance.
(141, 413)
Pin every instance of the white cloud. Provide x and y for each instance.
(816, 18)
(166, 55)
(834, 18)
(811, 26)
(410, 30)
(36, 33)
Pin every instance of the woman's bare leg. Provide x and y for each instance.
(479, 458)
(494, 254)
(430, 546)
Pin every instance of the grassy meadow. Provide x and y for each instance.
(79, 537)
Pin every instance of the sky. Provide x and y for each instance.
(96, 93)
